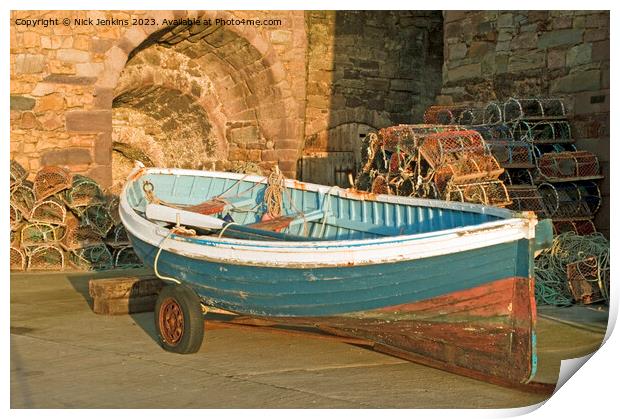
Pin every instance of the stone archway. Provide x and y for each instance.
(229, 79)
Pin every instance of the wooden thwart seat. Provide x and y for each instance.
(276, 224)
(280, 223)
(217, 205)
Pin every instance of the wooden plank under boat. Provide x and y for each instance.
(443, 283)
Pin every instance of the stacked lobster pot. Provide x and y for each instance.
(563, 176)
(432, 161)
(60, 220)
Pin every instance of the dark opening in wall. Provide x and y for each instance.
(366, 70)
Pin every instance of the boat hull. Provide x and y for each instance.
(325, 291)
(486, 332)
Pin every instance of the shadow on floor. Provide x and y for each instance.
(80, 280)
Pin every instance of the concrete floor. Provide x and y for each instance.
(65, 356)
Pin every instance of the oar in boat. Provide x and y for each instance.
(233, 230)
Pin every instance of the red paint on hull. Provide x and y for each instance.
(485, 332)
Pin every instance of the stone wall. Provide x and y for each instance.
(367, 70)
(496, 55)
(92, 96)
(75, 90)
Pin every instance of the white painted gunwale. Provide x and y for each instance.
(310, 254)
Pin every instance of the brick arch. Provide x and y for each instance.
(265, 78)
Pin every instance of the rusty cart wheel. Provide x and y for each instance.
(178, 319)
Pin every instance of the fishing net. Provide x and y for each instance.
(96, 257)
(570, 164)
(18, 259)
(79, 235)
(545, 132)
(38, 233)
(84, 191)
(22, 198)
(527, 198)
(533, 108)
(99, 218)
(117, 237)
(125, 257)
(487, 193)
(48, 257)
(512, 154)
(51, 211)
(441, 147)
(18, 174)
(580, 227)
(570, 200)
(50, 180)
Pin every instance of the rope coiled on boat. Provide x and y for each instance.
(273, 193)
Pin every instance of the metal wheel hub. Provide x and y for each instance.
(171, 321)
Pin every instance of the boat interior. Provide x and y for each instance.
(305, 214)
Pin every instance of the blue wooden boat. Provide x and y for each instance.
(447, 284)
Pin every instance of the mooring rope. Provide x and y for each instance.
(550, 265)
(273, 193)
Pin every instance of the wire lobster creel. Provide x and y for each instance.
(468, 168)
(496, 132)
(543, 132)
(587, 282)
(487, 193)
(441, 147)
(96, 257)
(363, 181)
(125, 257)
(18, 174)
(47, 257)
(542, 149)
(112, 205)
(443, 114)
(493, 113)
(517, 154)
(571, 200)
(38, 233)
(98, 217)
(18, 259)
(517, 177)
(118, 237)
(405, 137)
(471, 116)
(50, 180)
(16, 217)
(22, 198)
(427, 190)
(569, 164)
(580, 227)
(533, 109)
(50, 211)
(79, 235)
(380, 185)
(84, 191)
(527, 198)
